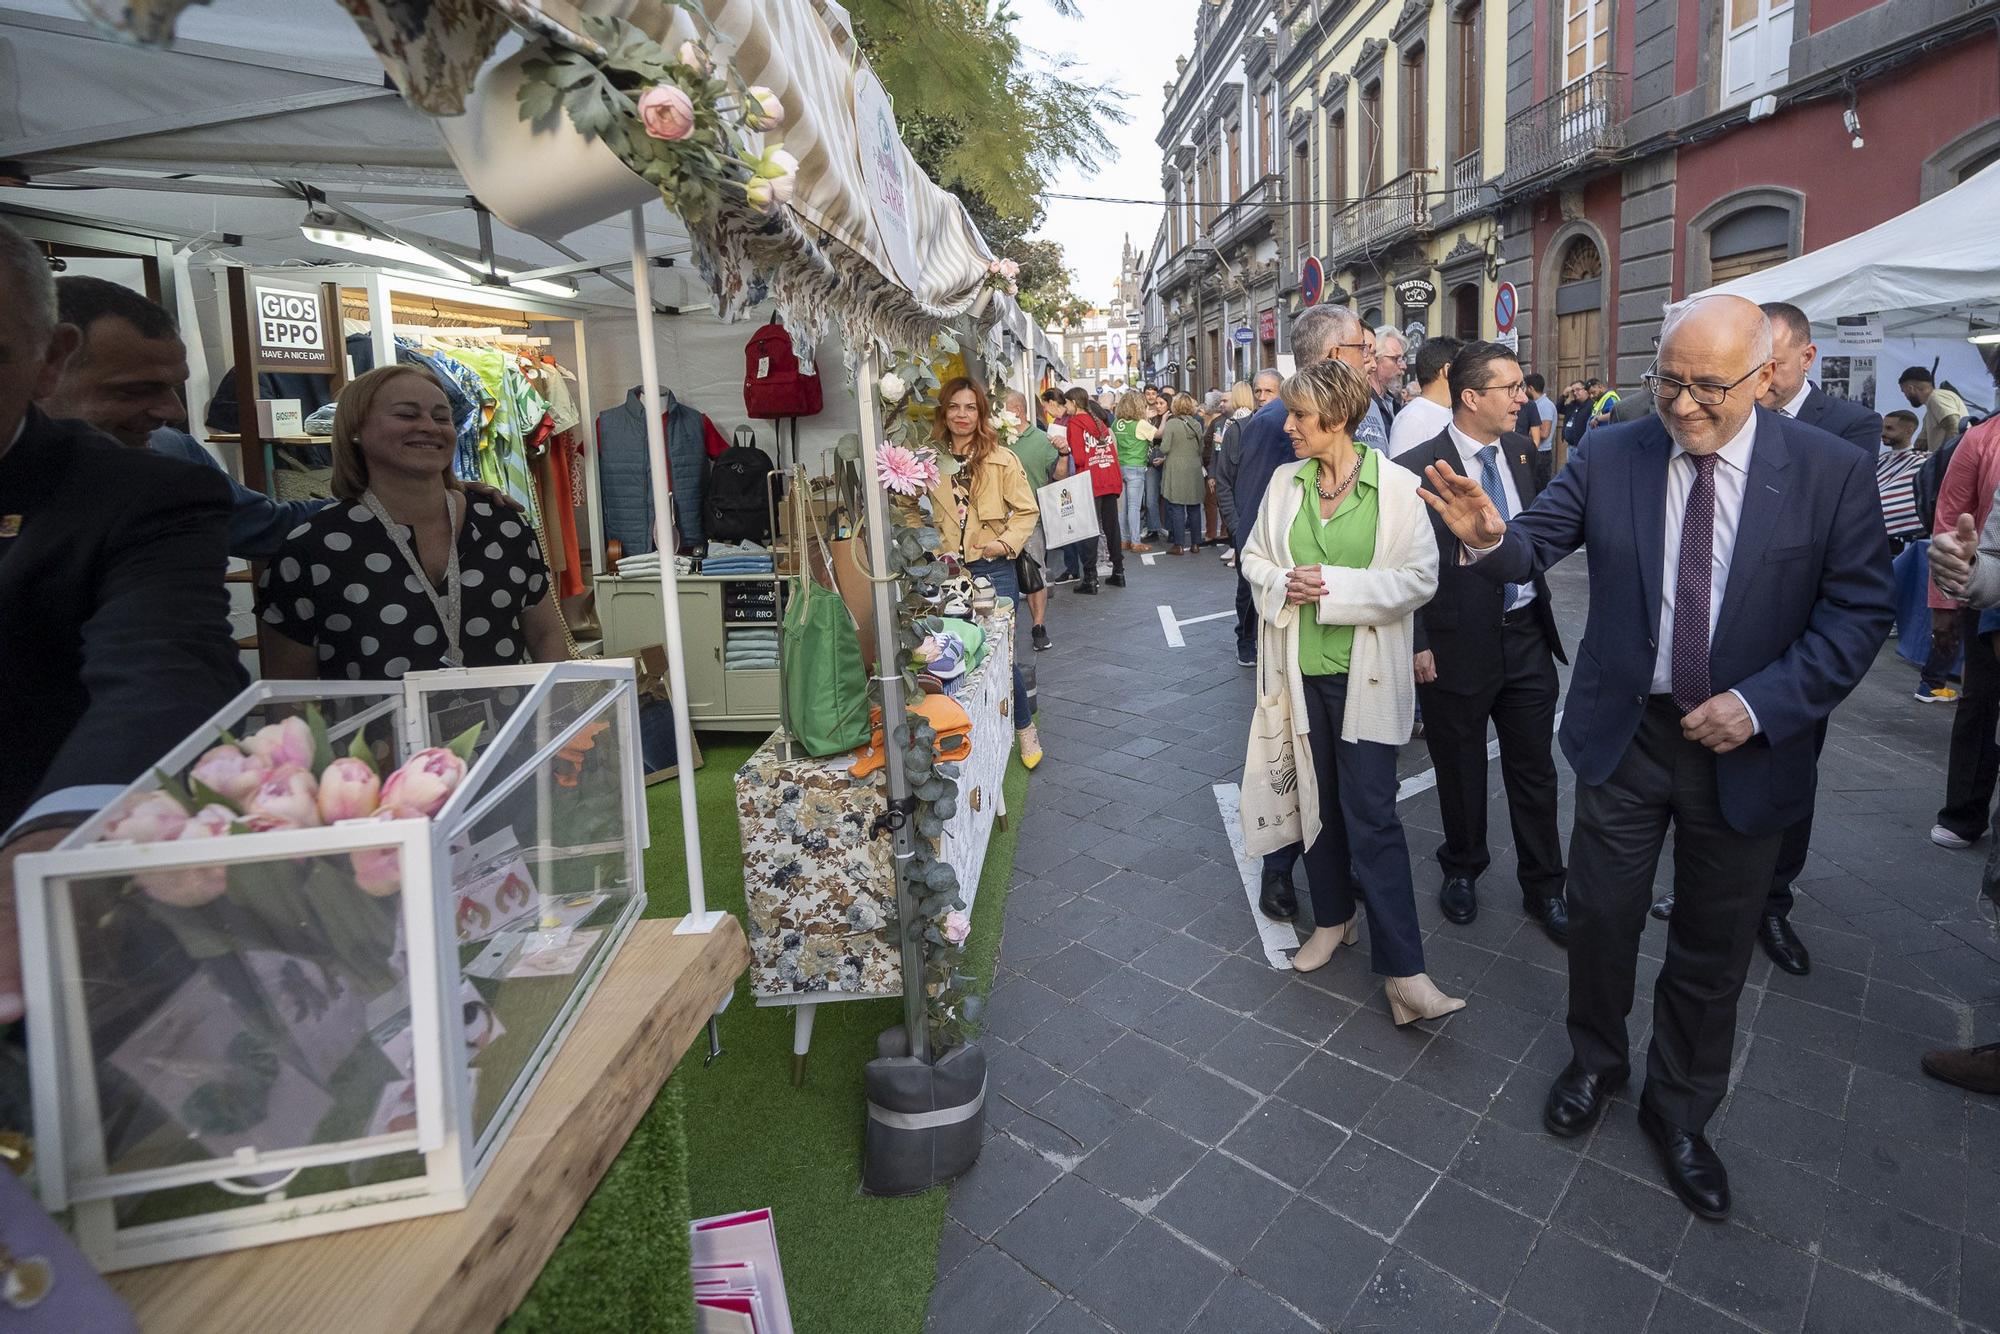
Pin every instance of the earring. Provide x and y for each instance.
(27, 1280)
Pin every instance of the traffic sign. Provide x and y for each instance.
(1312, 279)
(1244, 335)
(1506, 304)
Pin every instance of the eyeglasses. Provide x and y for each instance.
(1708, 395)
(1519, 387)
(1391, 356)
(1357, 347)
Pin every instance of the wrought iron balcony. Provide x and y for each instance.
(1584, 122)
(1250, 215)
(1468, 187)
(1399, 208)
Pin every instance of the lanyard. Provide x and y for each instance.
(450, 607)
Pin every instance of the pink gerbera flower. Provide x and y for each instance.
(907, 472)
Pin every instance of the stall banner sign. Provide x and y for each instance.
(1416, 293)
(1244, 335)
(1858, 333)
(1312, 280)
(1267, 325)
(1506, 305)
(882, 159)
(1414, 334)
(291, 330)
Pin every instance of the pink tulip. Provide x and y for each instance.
(379, 871)
(192, 886)
(153, 818)
(210, 821)
(957, 926)
(257, 822)
(282, 744)
(229, 773)
(291, 796)
(425, 782)
(762, 109)
(667, 112)
(348, 790)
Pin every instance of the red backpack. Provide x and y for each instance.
(777, 382)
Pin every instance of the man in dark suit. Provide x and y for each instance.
(1485, 652)
(114, 634)
(1739, 589)
(1792, 393)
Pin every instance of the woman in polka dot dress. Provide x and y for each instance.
(404, 572)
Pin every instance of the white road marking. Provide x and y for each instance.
(1171, 625)
(1428, 779)
(1276, 937)
(1146, 559)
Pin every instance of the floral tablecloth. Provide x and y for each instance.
(820, 890)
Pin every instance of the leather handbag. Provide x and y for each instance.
(844, 545)
(825, 685)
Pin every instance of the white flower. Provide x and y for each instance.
(892, 388)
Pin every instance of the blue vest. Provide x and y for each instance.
(625, 474)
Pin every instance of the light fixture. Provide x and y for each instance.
(1985, 339)
(325, 227)
(1851, 118)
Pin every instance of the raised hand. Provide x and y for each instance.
(1953, 555)
(1463, 506)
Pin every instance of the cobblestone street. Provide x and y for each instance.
(1184, 1137)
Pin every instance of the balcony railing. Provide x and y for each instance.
(1468, 180)
(1583, 122)
(1247, 214)
(1397, 209)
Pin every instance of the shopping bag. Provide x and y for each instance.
(1270, 792)
(844, 545)
(1069, 511)
(825, 685)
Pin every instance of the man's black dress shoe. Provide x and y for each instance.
(1782, 943)
(1577, 1099)
(1279, 899)
(1116, 581)
(1553, 913)
(1458, 899)
(1664, 908)
(1692, 1168)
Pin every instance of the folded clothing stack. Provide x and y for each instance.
(737, 558)
(749, 648)
(640, 567)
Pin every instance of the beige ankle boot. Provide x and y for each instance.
(1417, 997)
(1319, 947)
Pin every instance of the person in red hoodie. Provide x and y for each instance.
(1092, 446)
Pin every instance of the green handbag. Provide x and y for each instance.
(825, 683)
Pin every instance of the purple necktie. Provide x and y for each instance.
(1693, 588)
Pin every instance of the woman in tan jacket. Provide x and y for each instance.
(985, 513)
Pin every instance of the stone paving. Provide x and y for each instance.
(1184, 1138)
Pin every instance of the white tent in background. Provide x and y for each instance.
(1933, 272)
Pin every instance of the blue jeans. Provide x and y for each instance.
(1155, 505)
(1007, 585)
(1183, 525)
(1133, 498)
(1073, 554)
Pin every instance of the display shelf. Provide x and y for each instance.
(469, 1269)
(721, 698)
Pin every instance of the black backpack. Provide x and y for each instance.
(736, 506)
(1930, 478)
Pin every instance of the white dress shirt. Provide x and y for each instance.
(1468, 457)
(1417, 424)
(1791, 409)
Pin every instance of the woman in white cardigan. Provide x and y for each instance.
(1341, 557)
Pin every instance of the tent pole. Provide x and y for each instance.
(699, 919)
(888, 667)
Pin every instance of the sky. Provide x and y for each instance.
(1129, 45)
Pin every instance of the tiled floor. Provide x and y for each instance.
(1183, 1138)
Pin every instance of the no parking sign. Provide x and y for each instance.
(1506, 305)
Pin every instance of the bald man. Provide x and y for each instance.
(1739, 589)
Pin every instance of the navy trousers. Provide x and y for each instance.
(1008, 585)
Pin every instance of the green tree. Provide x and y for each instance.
(989, 118)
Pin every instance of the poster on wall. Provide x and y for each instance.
(289, 328)
(1847, 377)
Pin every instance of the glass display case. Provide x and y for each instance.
(305, 974)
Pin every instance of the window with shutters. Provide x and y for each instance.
(1416, 97)
(1467, 81)
(1301, 188)
(1756, 48)
(1264, 132)
(1336, 186)
(1371, 138)
(1747, 241)
(1586, 37)
(1235, 160)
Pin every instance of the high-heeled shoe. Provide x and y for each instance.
(1417, 997)
(1315, 954)
(1030, 744)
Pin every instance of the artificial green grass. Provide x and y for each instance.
(852, 1262)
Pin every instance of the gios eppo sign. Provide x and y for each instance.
(291, 330)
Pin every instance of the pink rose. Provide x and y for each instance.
(667, 112)
(762, 109)
(1009, 269)
(957, 926)
(291, 796)
(153, 818)
(695, 58)
(379, 871)
(229, 773)
(425, 782)
(774, 178)
(282, 744)
(348, 790)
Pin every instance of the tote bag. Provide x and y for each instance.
(826, 687)
(1069, 511)
(1270, 793)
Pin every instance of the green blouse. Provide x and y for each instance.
(1348, 538)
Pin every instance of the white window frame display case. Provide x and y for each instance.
(72, 1170)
